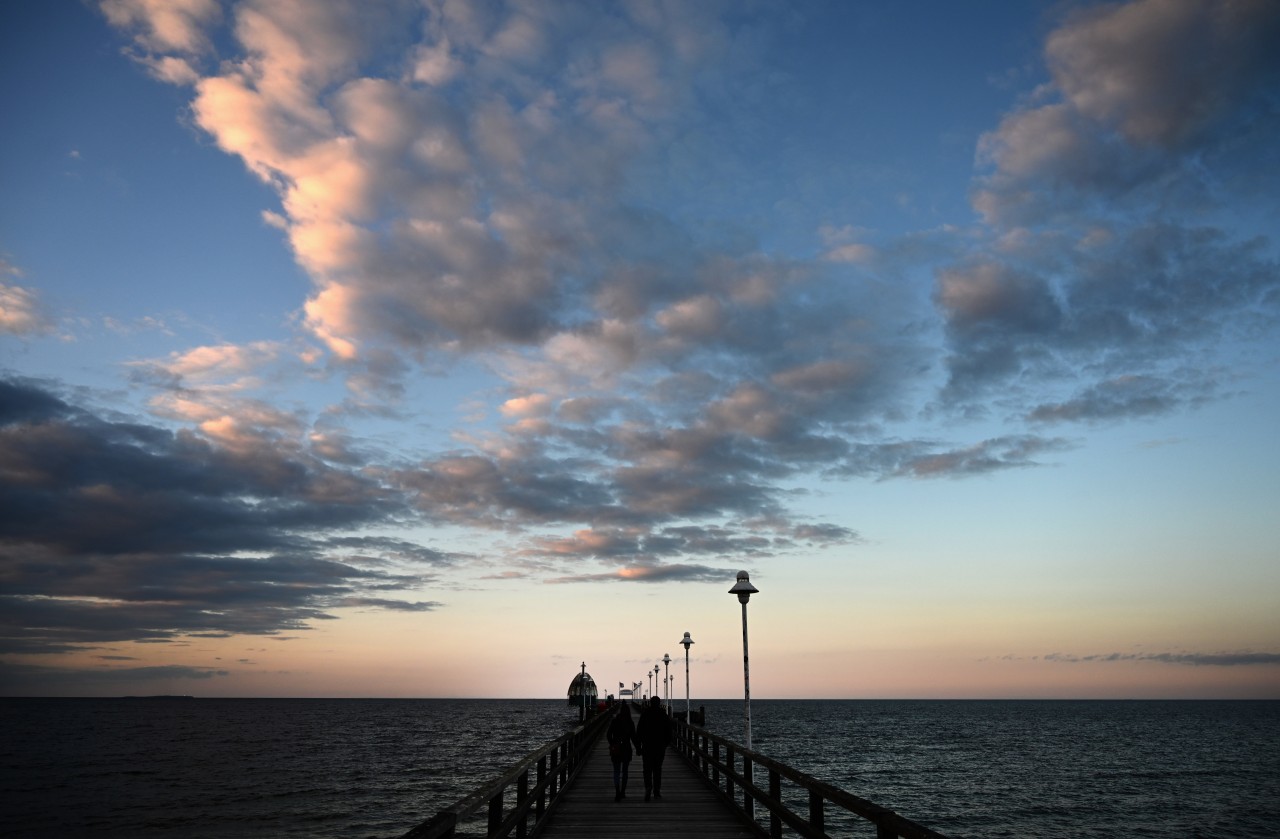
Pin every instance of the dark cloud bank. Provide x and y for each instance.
(113, 530)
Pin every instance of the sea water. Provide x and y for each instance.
(1037, 768)
(376, 768)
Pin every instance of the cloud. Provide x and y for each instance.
(164, 25)
(1219, 659)
(118, 530)
(1110, 197)
(398, 197)
(993, 295)
(652, 574)
(113, 530)
(928, 459)
(20, 310)
(1125, 397)
(1162, 72)
(36, 679)
(1151, 104)
(386, 604)
(221, 361)
(1136, 306)
(478, 205)
(465, 181)
(644, 548)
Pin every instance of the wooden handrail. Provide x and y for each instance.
(554, 765)
(713, 757)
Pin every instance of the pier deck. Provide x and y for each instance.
(711, 789)
(688, 808)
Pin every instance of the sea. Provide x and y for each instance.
(321, 768)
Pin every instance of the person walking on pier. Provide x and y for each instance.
(652, 736)
(621, 732)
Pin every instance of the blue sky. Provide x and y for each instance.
(432, 348)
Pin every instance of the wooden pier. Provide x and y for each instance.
(687, 808)
(712, 788)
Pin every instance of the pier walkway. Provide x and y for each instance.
(712, 788)
(688, 807)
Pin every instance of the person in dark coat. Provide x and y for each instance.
(621, 733)
(653, 733)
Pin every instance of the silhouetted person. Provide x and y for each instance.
(621, 732)
(653, 733)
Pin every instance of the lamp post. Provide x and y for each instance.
(650, 675)
(686, 642)
(666, 669)
(744, 590)
(657, 686)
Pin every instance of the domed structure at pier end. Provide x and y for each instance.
(583, 692)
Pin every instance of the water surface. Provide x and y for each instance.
(321, 768)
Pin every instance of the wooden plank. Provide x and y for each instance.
(687, 807)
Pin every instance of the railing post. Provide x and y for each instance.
(495, 814)
(748, 781)
(540, 808)
(817, 819)
(775, 793)
(555, 774)
(715, 764)
(565, 765)
(522, 795)
(729, 770)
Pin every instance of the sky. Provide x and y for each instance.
(424, 348)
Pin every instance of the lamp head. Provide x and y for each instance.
(743, 587)
(666, 658)
(686, 641)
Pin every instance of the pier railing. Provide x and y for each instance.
(733, 771)
(521, 798)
